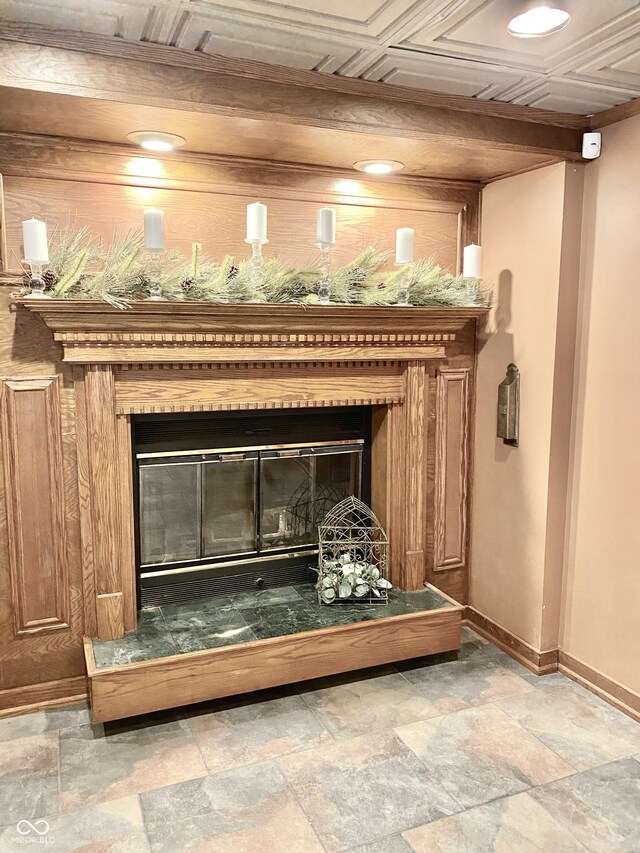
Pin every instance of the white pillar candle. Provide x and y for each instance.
(472, 261)
(404, 246)
(154, 229)
(34, 237)
(326, 226)
(257, 222)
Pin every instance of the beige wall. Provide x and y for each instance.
(602, 596)
(556, 521)
(530, 237)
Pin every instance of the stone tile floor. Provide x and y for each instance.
(437, 755)
(209, 623)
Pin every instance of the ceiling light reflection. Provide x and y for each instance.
(144, 167)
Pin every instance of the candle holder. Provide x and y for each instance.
(403, 292)
(155, 272)
(257, 273)
(324, 291)
(36, 281)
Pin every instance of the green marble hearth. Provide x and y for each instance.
(210, 623)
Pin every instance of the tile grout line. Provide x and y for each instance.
(315, 715)
(476, 705)
(556, 820)
(535, 737)
(293, 793)
(498, 799)
(576, 770)
(59, 772)
(144, 822)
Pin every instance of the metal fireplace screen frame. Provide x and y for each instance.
(223, 508)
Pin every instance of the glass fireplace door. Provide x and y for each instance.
(298, 487)
(229, 506)
(199, 509)
(169, 513)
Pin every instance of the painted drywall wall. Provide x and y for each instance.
(602, 591)
(530, 237)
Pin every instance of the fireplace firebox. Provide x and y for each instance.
(226, 503)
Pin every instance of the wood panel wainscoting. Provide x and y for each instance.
(35, 502)
(452, 449)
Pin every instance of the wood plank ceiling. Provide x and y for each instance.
(453, 46)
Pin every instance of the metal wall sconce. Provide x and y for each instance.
(509, 406)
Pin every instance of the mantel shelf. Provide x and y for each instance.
(170, 332)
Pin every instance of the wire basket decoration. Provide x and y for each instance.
(352, 558)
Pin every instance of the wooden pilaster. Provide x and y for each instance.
(415, 463)
(104, 508)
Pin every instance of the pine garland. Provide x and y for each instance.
(120, 273)
(429, 285)
(73, 274)
(117, 278)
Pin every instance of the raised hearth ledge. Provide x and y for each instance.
(199, 332)
(182, 679)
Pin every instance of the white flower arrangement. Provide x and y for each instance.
(348, 577)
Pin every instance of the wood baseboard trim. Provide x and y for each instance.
(539, 662)
(556, 660)
(625, 700)
(37, 697)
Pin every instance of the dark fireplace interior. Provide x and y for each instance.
(228, 502)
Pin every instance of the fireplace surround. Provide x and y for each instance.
(412, 366)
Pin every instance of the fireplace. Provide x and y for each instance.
(225, 503)
(410, 369)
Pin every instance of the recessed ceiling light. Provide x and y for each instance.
(539, 21)
(378, 167)
(152, 140)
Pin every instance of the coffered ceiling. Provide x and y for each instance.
(454, 46)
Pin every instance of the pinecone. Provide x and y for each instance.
(358, 277)
(188, 283)
(50, 279)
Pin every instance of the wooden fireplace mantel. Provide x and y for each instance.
(189, 332)
(413, 366)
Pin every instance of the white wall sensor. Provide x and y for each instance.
(591, 145)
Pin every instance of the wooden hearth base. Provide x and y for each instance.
(153, 685)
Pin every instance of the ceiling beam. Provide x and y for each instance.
(111, 69)
(615, 114)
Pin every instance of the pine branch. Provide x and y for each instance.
(73, 274)
(81, 268)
